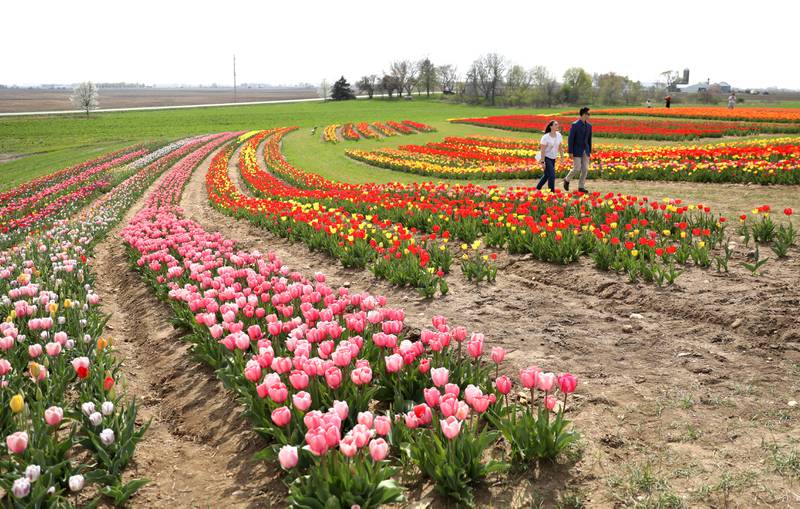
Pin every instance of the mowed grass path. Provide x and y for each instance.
(53, 142)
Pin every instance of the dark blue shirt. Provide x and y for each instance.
(580, 138)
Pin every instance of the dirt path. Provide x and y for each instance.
(198, 448)
(684, 401)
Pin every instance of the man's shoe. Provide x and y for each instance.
(583, 190)
(566, 185)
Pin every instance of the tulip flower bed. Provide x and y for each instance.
(628, 234)
(63, 421)
(650, 129)
(358, 240)
(47, 199)
(335, 381)
(329, 133)
(789, 115)
(374, 131)
(766, 161)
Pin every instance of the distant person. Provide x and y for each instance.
(732, 100)
(313, 130)
(550, 149)
(649, 103)
(667, 101)
(579, 147)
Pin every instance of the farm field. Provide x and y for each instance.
(228, 304)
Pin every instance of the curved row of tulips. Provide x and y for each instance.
(374, 131)
(789, 115)
(65, 423)
(38, 204)
(336, 382)
(766, 161)
(638, 129)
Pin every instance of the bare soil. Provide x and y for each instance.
(688, 403)
(197, 451)
(15, 100)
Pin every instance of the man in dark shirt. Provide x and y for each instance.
(579, 146)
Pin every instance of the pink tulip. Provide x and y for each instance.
(278, 393)
(439, 376)
(301, 400)
(34, 350)
(451, 427)
(333, 377)
(503, 384)
(411, 420)
(288, 457)
(394, 363)
(252, 371)
(53, 349)
(281, 416)
(17, 442)
(365, 418)
(341, 409)
(550, 401)
(362, 434)
(546, 382)
(378, 449)
(5, 367)
(332, 435)
(431, 396)
(298, 379)
(480, 403)
(567, 383)
(348, 446)
(498, 354)
(423, 413)
(448, 404)
(529, 377)
(462, 411)
(452, 389)
(361, 375)
(424, 366)
(53, 415)
(317, 443)
(471, 392)
(383, 425)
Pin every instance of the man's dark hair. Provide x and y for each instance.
(583, 111)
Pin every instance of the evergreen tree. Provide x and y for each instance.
(341, 90)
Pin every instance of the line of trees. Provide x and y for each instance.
(492, 79)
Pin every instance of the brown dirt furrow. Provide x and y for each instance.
(682, 391)
(198, 448)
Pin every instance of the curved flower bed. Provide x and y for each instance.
(64, 422)
(766, 161)
(334, 380)
(653, 129)
(354, 132)
(791, 115)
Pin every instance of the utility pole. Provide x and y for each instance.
(234, 78)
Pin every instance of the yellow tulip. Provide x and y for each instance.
(17, 403)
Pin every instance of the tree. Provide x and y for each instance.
(341, 90)
(388, 85)
(367, 85)
(577, 87)
(518, 85)
(402, 71)
(488, 73)
(448, 76)
(84, 97)
(544, 85)
(428, 76)
(323, 90)
(610, 87)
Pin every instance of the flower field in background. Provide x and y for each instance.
(640, 129)
(332, 379)
(374, 131)
(765, 161)
(790, 115)
(63, 419)
(629, 234)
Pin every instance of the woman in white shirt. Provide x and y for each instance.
(551, 149)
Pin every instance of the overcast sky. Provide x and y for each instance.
(752, 44)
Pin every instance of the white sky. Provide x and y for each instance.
(748, 44)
